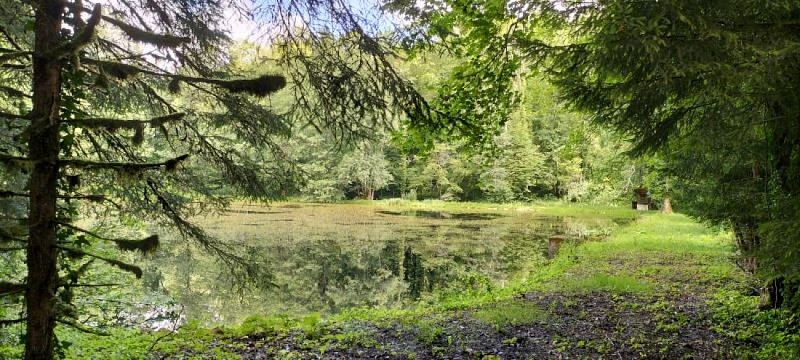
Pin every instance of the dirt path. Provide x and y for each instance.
(595, 325)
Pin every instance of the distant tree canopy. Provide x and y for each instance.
(712, 87)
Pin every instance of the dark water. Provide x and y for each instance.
(334, 257)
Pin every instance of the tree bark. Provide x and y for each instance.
(43, 147)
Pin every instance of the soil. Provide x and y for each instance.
(594, 325)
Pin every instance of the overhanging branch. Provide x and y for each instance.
(137, 271)
(260, 86)
(145, 245)
(111, 124)
(170, 164)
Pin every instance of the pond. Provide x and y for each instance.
(328, 258)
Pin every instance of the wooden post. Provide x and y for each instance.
(666, 208)
(554, 244)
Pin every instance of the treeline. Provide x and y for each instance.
(544, 151)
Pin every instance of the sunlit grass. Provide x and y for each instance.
(510, 313)
(608, 283)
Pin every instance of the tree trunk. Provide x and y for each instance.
(43, 147)
(370, 194)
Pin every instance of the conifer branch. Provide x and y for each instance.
(93, 285)
(10, 116)
(9, 288)
(260, 86)
(6, 322)
(83, 38)
(74, 276)
(9, 194)
(82, 328)
(6, 236)
(112, 124)
(146, 245)
(169, 165)
(137, 271)
(10, 249)
(93, 198)
(10, 38)
(12, 92)
(15, 160)
(15, 66)
(14, 55)
(144, 36)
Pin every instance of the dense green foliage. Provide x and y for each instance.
(709, 88)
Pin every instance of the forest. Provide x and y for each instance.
(433, 179)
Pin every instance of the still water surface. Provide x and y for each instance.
(327, 258)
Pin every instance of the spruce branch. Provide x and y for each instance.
(146, 245)
(10, 38)
(5, 235)
(12, 92)
(113, 124)
(169, 165)
(144, 36)
(98, 198)
(9, 194)
(9, 288)
(72, 278)
(135, 270)
(259, 86)
(14, 55)
(83, 38)
(6, 322)
(10, 116)
(19, 161)
(82, 328)
(10, 249)
(92, 285)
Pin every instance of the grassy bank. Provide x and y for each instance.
(660, 287)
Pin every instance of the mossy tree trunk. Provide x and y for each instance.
(43, 144)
